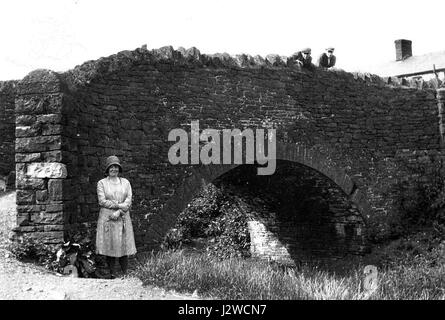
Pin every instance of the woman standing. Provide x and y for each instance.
(114, 236)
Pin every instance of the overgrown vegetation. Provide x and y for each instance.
(407, 273)
(30, 250)
(423, 204)
(411, 267)
(60, 258)
(414, 267)
(212, 216)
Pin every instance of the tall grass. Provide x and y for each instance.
(252, 279)
(417, 280)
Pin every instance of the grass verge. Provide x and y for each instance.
(414, 277)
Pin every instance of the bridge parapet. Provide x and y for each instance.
(83, 74)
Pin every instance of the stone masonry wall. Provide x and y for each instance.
(39, 169)
(372, 136)
(7, 128)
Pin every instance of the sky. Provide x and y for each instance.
(60, 34)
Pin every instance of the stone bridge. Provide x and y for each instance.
(366, 144)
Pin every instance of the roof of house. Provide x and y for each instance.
(415, 65)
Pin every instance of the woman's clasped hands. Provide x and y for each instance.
(122, 208)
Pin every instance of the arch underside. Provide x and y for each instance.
(204, 174)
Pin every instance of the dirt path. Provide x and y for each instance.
(26, 281)
(29, 282)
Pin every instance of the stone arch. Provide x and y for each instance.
(322, 161)
(204, 174)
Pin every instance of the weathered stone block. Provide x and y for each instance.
(27, 157)
(20, 168)
(26, 197)
(52, 156)
(55, 189)
(29, 105)
(25, 131)
(25, 120)
(38, 144)
(54, 237)
(27, 229)
(41, 196)
(38, 130)
(193, 53)
(52, 170)
(44, 217)
(51, 208)
(57, 227)
(51, 129)
(25, 209)
(54, 118)
(25, 183)
(39, 104)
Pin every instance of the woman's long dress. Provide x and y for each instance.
(114, 238)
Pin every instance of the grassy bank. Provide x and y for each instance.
(413, 277)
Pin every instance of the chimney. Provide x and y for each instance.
(403, 49)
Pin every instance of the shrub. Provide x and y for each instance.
(214, 216)
(422, 204)
(230, 234)
(57, 257)
(28, 249)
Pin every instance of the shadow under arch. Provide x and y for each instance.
(202, 175)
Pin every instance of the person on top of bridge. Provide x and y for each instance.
(114, 235)
(327, 59)
(303, 58)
